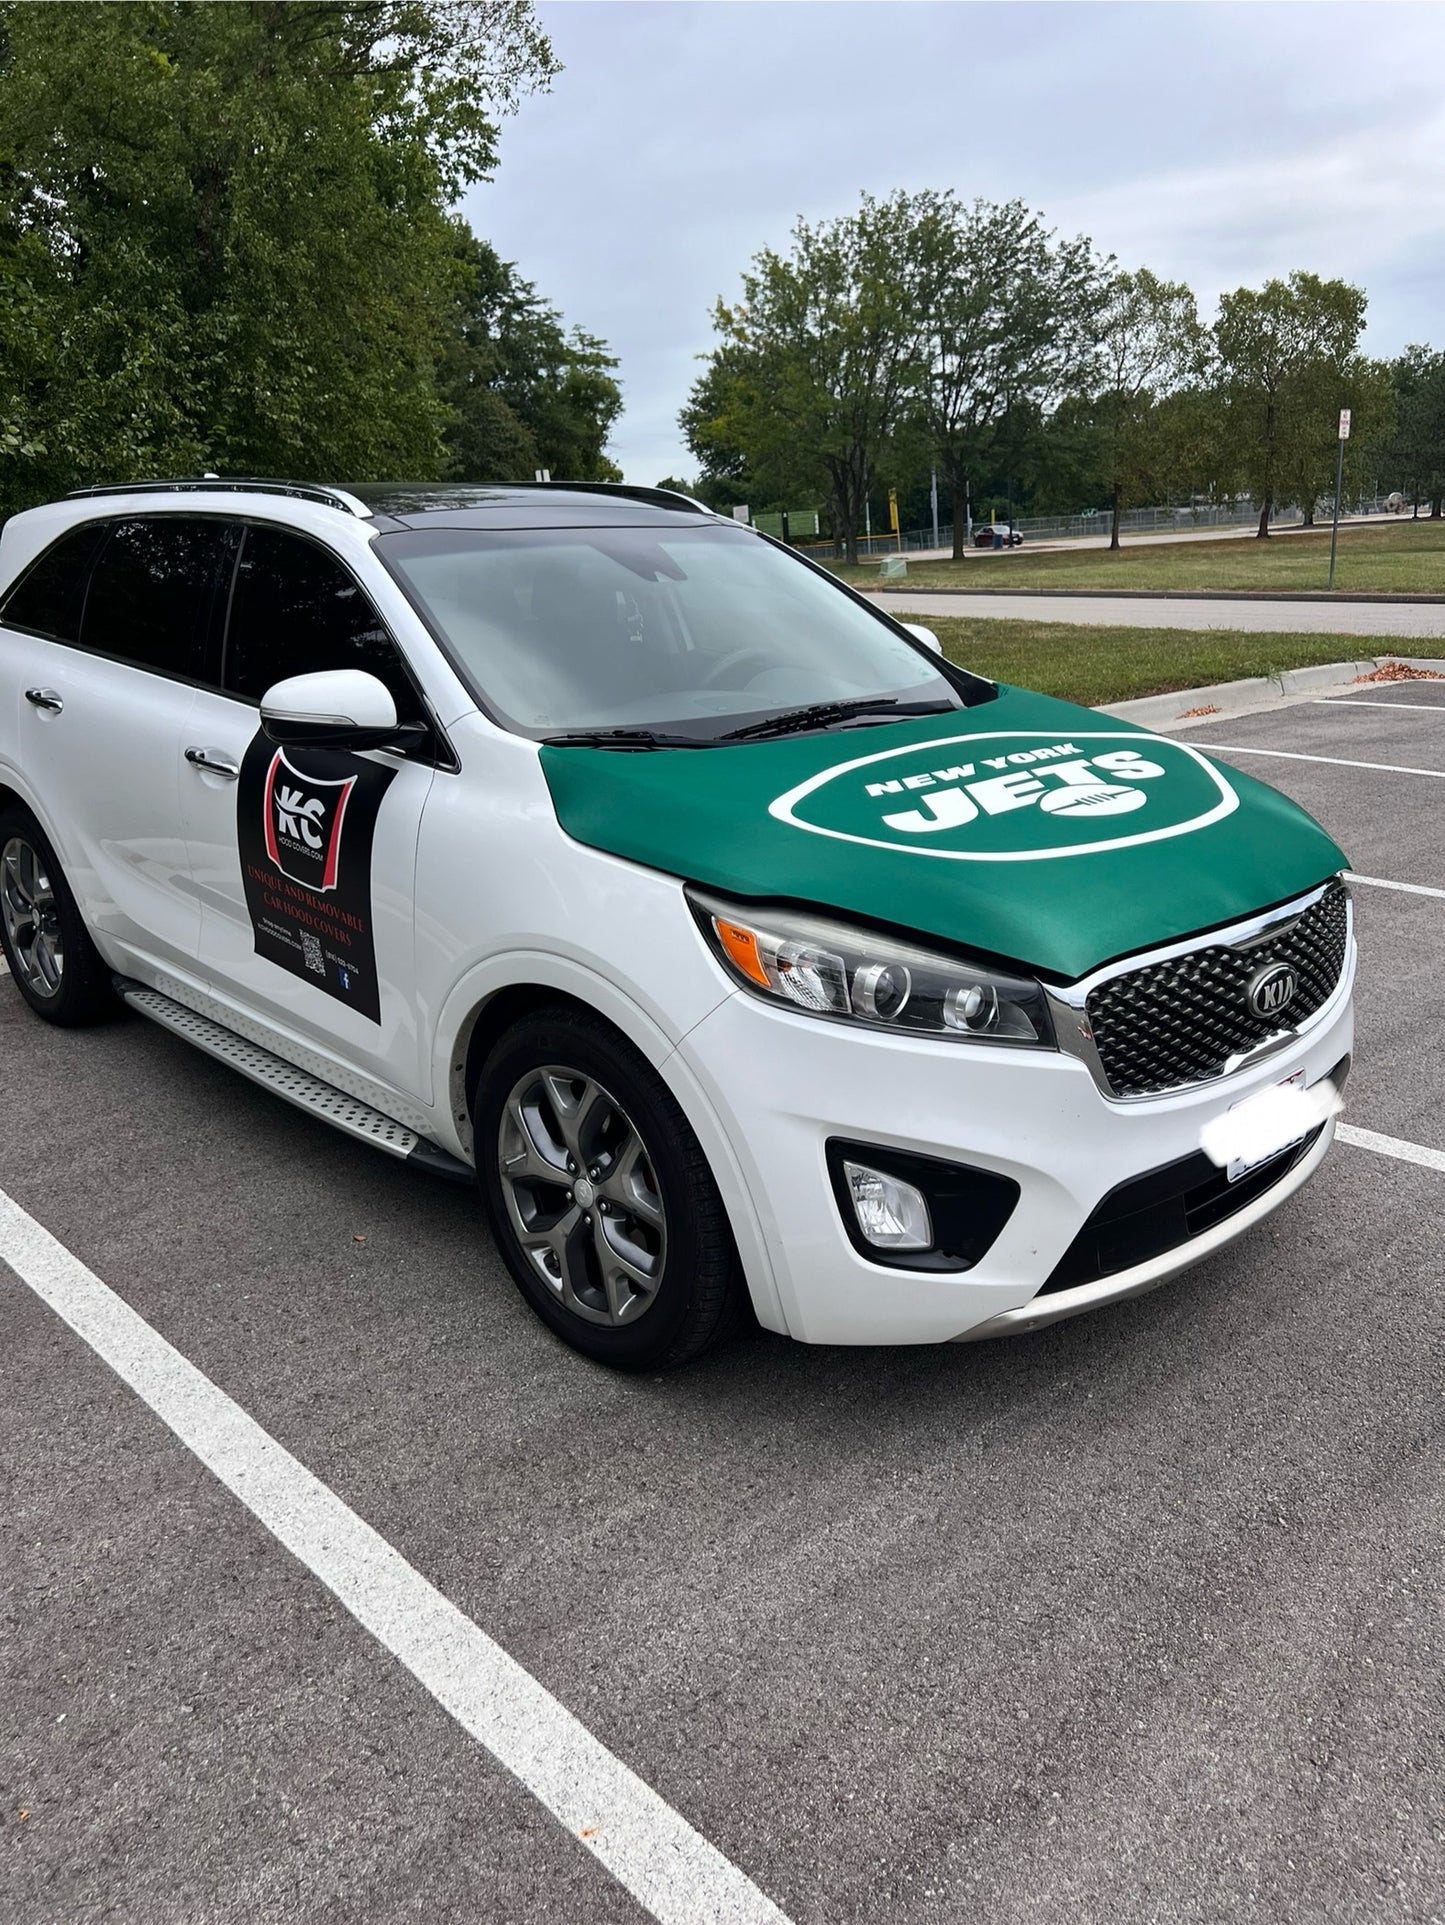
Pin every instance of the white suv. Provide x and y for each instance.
(748, 952)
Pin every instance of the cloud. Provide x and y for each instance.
(1356, 206)
(1217, 144)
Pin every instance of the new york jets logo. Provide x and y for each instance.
(1014, 796)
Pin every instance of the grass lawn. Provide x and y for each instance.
(1094, 665)
(1386, 557)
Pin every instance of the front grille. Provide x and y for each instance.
(1173, 1023)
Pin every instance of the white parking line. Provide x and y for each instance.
(1406, 888)
(672, 1871)
(1391, 1146)
(1366, 702)
(1337, 761)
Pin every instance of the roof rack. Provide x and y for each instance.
(382, 494)
(239, 484)
(659, 497)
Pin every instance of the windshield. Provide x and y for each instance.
(689, 631)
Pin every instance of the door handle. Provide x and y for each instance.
(44, 698)
(213, 762)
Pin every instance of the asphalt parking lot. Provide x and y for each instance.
(1134, 1619)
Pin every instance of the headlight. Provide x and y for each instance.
(828, 968)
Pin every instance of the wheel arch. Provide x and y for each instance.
(488, 1001)
(15, 792)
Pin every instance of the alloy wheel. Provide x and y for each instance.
(32, 918)
(582, 1195)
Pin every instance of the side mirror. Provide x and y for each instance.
(341, 708)
(925, 635)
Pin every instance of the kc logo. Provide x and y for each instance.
(297, 815)
(304, 816)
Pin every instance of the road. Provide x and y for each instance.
(1388, 619)
(1134, 1621)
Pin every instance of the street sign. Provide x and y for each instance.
(740, 511)
(1339, 483)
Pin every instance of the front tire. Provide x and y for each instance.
(600, 1196)
(56, 967)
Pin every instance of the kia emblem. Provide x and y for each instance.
(1272, 989)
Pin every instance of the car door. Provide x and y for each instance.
(113, 617)
(305, 860)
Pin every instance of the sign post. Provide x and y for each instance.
(1339, 481)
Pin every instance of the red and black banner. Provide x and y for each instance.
(305, 821)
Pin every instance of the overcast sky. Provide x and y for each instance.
(1217, 144)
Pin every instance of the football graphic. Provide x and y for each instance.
(1103, 798)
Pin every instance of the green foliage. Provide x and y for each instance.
(817, 360)
(1414, 449)
(915, 330)
(924, 335)
(1147, 344)
(223, 237)
(1004, 313)
(1286, 350)
(722, 406)
(524, 393)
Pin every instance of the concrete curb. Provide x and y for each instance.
(1163, 594)
(1257, 691)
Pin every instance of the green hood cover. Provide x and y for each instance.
(1028, 828)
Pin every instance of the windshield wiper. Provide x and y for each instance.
(624, 739)
(821, 714)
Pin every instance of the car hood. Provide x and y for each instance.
(1027, 828)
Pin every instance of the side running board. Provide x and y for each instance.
(295, 1086)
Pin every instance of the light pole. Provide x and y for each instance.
(933, 502)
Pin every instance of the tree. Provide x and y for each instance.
(1004, 312)
(1416, 448)
(1311, 444)
(222, 230)
(818, 359)
(1148, 342)
(1281, 347)
(720, 398)
(525, 394)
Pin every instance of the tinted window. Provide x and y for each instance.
(693, 626)
(296, 611)
(150, 592)
(49, 596)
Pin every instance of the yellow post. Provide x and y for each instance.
(893, 516)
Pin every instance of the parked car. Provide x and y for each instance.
(1001, 534)
(746, 953)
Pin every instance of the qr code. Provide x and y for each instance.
(311, 954)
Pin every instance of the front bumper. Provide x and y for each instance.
(782, 1085)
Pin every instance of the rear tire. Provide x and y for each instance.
(56, 967)
(600, 1197)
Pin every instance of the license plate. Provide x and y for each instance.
(1266, 1124)
(1239, 1166)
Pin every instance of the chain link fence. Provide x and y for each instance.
(1135, 521)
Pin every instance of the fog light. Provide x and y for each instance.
(891, 1213)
